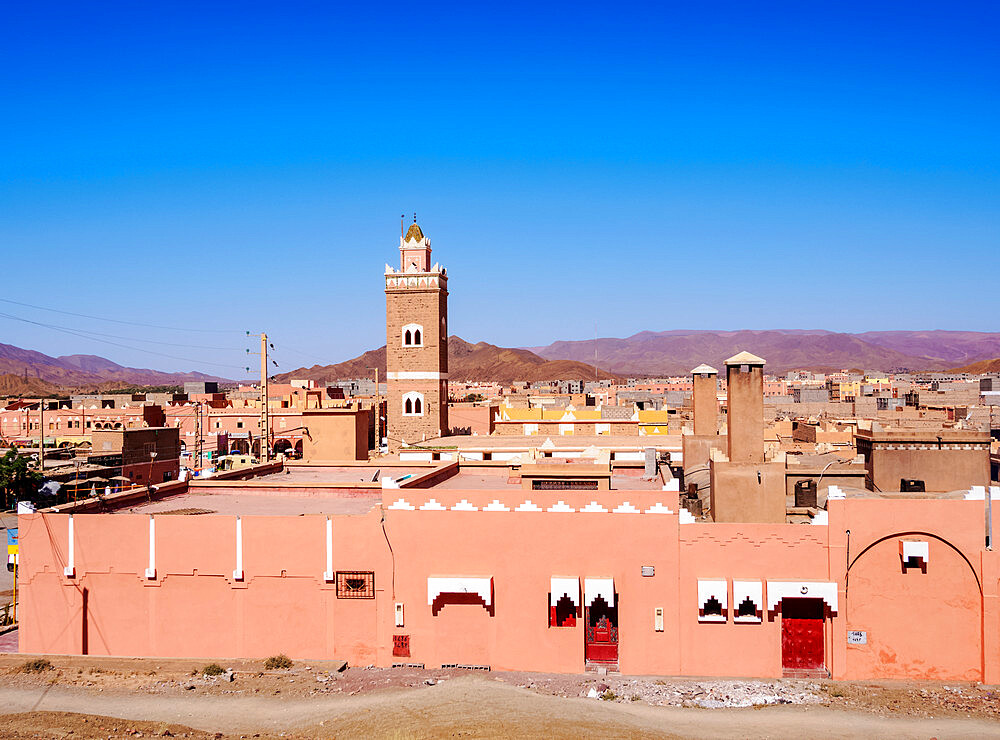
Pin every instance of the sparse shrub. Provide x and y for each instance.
(834, 690)
(278, 663)
(213, 669)
(37, 665)
(636, 697)
(609, 695)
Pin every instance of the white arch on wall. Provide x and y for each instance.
(413, 404)
(413, 335)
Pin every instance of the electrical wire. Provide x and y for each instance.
(117, 321)
(77, 333)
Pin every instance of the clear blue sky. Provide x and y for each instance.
(743, 165)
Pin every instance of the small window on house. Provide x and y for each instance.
(563, 614)
(355, 584)
(746, 608)
(239, 425)
(712, 608)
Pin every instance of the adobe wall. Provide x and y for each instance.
(947, 469)
(340, 435)
(748, 492)
(918, 624)
(745, 404)
(698, 447)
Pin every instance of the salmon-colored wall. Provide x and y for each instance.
(919, 625)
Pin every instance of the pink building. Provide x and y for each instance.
(521, 580)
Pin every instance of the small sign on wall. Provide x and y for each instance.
(648, 571)
(857, 637)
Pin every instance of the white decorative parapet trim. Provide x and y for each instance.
(389, 482)
(401, 504)
(593, 508)
(599, 587)
(528, 506)
(496, 506)
(328, 574)
(752, 591)
(658, 508)
(560, 587)
(433, 505)
(70, 570)
(416, 375)
(464, 505)
(713, 589)
(978, 493)
(481, 585)
(778, 590)
(238, 573)
(561, 506)
(834, 493)
(685, 517)
(626, 508)
(821, 518)
(672, 485)
(151, 569)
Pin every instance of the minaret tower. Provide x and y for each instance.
(416, 336)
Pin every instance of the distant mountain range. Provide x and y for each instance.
(26, 372)
(677, 352)
(80, 370)
(470, 362)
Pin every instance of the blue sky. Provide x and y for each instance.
(630, 166)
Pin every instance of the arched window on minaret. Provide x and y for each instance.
(417, 407)
(408, 407)
(413, 335)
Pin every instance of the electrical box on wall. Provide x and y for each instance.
(658, 619)
(399, 614)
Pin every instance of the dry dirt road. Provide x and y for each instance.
(470, 706)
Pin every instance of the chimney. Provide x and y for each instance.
(704, 400)
(745, 394)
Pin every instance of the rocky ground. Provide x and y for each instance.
(134, 681)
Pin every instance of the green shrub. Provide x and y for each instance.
(278, 663)
(609, 695)
(213, 669)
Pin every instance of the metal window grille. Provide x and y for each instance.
(355, 584)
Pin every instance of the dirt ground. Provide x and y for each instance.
(81, 697)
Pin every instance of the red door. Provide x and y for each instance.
(602, 632)
(802, 635)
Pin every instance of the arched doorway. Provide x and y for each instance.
(281, 446)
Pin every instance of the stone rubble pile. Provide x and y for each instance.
(708, 694)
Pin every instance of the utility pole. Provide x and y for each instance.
(265, 446)
(41, 435)
(378, 413)
(197, 437)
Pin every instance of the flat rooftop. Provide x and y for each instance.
(573, 441)
(256, 504)
(362, 473)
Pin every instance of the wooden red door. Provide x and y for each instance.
(601, 633)
(802, 635)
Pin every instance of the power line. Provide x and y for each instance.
(77, 333)
(118, 321)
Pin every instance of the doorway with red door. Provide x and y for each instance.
(802, 638)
